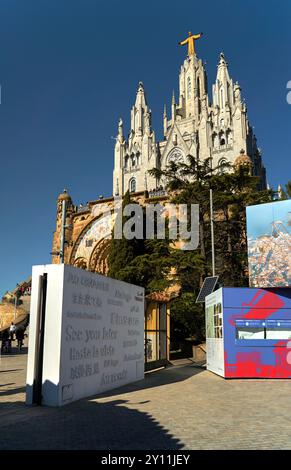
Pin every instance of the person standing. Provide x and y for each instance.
(6, 343)
(20, 338)
(12, 330)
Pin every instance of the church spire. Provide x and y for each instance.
(222, 69)
(173, 107)
(165, 120)
(120, 130)
(140, 113)
(223, 89)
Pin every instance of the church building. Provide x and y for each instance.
(217, 132)
(216, 129)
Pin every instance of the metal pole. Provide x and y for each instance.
(63, 228)
(212, 234)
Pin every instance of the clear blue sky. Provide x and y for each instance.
(70, 68)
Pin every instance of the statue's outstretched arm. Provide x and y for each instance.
(181, 43)
(197, 36)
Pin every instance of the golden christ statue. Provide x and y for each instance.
(190, 40)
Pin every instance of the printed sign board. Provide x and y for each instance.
(269, 244)
(93, 334)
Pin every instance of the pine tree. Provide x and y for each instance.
(122, 251)
(141, 262)
(190, 183)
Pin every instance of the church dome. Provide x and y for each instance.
(64, 196)
(243, 160)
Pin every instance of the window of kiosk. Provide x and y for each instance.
(214, 321)
(278, 329)
(250, 330)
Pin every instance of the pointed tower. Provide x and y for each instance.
(70, 210)
(192, 88)
(135, 156)
(189, 117)
(229, 120)
(216, 131)
(118, 159)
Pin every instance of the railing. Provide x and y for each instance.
(81, 209)
(132, 169)
(222, 148)
(158, 193)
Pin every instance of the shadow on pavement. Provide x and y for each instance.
(12, 391)
(153, 379)
(90, 423)
(87, 425)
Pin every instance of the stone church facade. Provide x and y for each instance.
(218, 131)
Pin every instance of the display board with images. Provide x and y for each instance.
(269, 244)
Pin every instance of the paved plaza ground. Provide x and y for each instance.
(181, 407)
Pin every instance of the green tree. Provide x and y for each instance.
(190, 183)
(142, 262)
(122, 251)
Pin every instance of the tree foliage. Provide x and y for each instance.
(232, 191)
(156, 265)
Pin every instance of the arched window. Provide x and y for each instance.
(229, 138)
(189, 87)
(215, 141)
(222, 139)
(137, 159)
(222, 166)
(221, 98)
(132, 185)
(198, 87)
(126, 162)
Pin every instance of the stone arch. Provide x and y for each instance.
(81, 236)
(132, 185)
(98, 262)
(222, 139)
(176, 155)
(80, 263)
(222, 165)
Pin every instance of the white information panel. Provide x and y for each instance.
(214, 332)
(93, 334)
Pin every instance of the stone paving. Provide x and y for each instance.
(181, 407)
